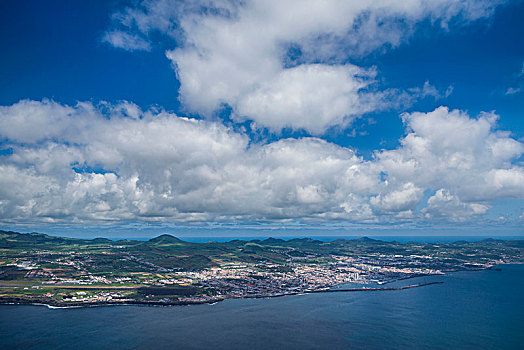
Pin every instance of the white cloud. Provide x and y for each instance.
(332, 94)
(115, 162)
(512, 91)
(404, 199)
(444, 205)
(430, 90)
(236, 52)
(126, 41)
(447, 149)
(518, 83)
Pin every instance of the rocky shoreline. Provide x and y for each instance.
(54, 304)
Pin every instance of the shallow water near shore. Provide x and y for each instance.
(470, 310)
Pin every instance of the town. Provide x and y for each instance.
(36, 268)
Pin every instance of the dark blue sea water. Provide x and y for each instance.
(471, 310)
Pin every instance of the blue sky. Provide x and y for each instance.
(318, 137)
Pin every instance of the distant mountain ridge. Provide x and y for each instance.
(169, 252)
(166, 239)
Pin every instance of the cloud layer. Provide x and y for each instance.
(115, 162)
(279, 65)
(284, 64)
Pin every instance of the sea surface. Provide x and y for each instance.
(470, 310)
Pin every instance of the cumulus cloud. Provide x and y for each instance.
(284, 63)
(403, 199)
(463, 155)
(444, 205)
(108, 163)
(330, 93)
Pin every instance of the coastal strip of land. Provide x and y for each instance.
(166, 270)
(22, 301)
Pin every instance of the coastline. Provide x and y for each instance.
(332, 289)
(55, 305)
(443, 315)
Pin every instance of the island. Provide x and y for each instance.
(36, 268)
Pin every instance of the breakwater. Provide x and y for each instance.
(370, 289)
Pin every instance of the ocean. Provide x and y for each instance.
(470, 310)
